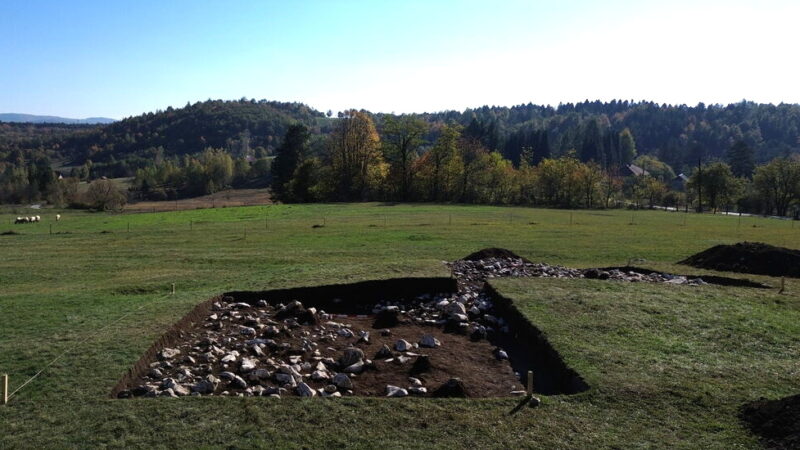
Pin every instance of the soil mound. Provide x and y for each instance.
(749, 257)
(492, 253)
(777, 422)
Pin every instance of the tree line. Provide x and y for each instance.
(675, 134)
(361, 164)
(572, 155)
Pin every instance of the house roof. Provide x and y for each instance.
(636, 170)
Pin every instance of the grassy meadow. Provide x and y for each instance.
(668, 365)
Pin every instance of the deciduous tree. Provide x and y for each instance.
(402, 137)
(356, 161)
(104, 195)
(778, 182)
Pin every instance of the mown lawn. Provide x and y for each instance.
(668, 365)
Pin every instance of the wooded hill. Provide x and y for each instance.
(678, 135)
(166, 150)
(232, 125)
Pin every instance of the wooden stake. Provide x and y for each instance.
(51, 228)
(173, 288)
(530, 382)
(783, 285)
(190, 225)
(5, 388)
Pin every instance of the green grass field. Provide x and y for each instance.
(668, 365)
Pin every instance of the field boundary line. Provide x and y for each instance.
(79, 343)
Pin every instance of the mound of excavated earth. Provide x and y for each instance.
(777, 422)
(493, 252)
(749, 257)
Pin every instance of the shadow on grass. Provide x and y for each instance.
(520, 405)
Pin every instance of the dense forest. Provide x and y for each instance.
(207, 146)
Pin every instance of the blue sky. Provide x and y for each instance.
(116, 59)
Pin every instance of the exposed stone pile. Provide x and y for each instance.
(476, 271)
(244, 350)
(636, 277)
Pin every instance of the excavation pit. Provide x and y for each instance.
(264, 344)
(407, 336)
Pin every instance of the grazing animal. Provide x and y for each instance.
(20, 220)
(58, 217)
(38, 218)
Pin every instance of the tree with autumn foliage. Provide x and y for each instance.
(358, 167)
(402, 138)
(648, 188)
(589, 177)
(558, 181)
(436, 167)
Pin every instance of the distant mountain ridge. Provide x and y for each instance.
(32, 118)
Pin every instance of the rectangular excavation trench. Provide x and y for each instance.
(458, 356)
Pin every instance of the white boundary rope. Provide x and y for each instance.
(79, 343)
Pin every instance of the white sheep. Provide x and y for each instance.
(58, 217)
(38, 218)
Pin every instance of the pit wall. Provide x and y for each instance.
(197, 315)
(567, 380)
(362, 295)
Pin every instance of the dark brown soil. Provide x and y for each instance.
(777, 422)
(749, 257)
(492, 253)
(457, 357)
